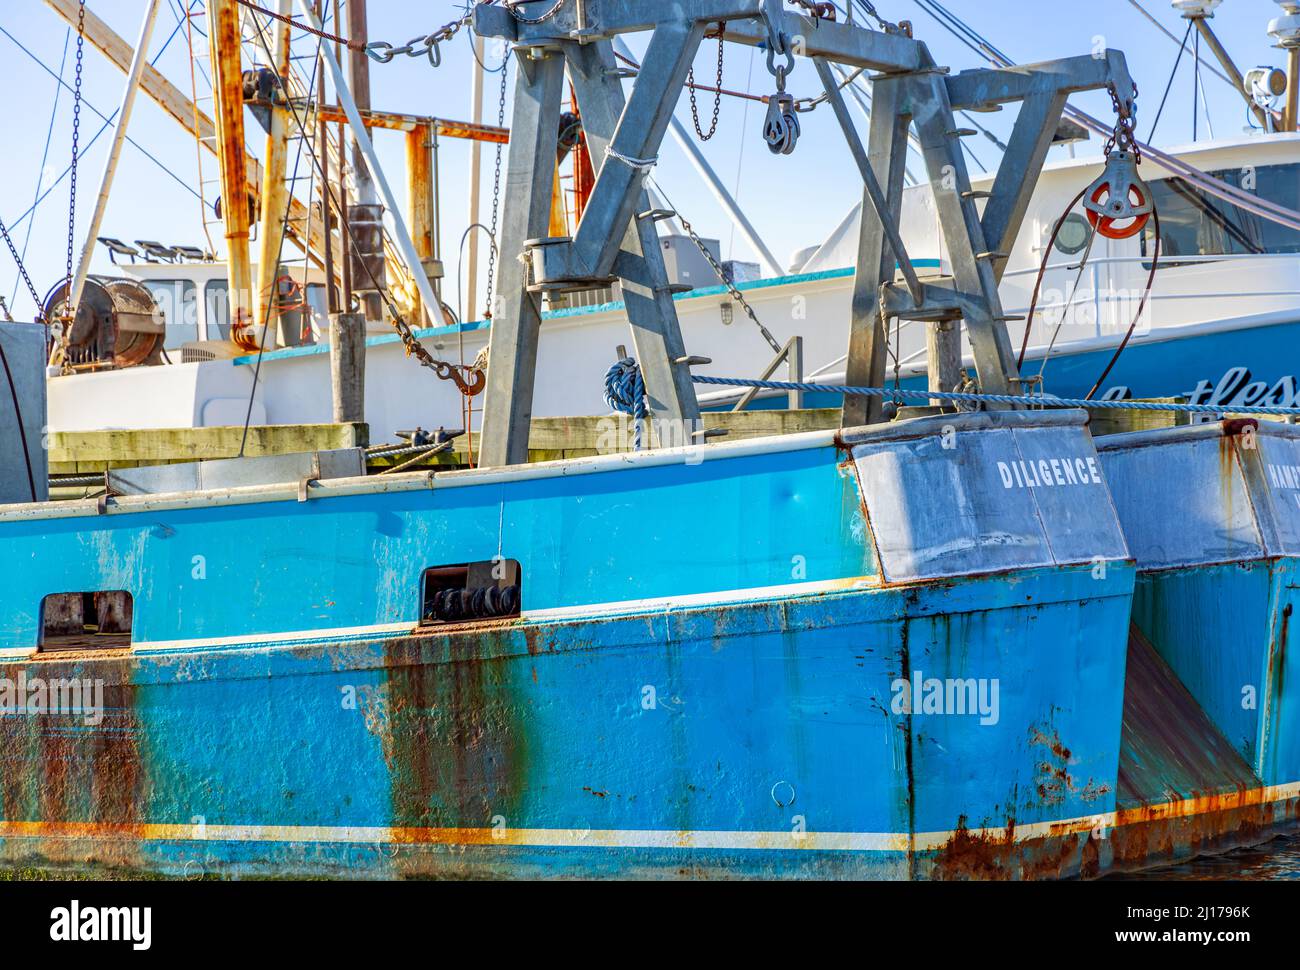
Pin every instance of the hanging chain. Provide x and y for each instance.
(1123, 138)
(69, 312)
(731, 287)
(717, 268)
(22, 270)
(512, 6)
(425, 45)
(496, 191)
(717, 96)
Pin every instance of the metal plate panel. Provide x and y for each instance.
(1183, 503)
(24, 346)
(1281, 462)
(978, 501)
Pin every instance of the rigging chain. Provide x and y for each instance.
(717, 97)
(69, 312)
(722, 275)
(511, 5)
(496, 192)
(31, 288)
(425, 45)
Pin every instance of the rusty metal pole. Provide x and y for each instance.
(275, 190)
(359, 85)
(419, 171)
(475, 179)
(322, 140)
(228, 93)
(345, 244)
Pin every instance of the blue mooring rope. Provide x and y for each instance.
(625, 392)
(1057, 402)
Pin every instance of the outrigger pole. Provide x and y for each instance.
(617, 240)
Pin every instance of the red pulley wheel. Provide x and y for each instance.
(1106, 225)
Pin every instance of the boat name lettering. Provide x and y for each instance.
(1049, 472)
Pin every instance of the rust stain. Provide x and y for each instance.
(57, 771)
(455, 735)
(1054, 779)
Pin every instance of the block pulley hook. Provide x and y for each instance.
(1119, 204)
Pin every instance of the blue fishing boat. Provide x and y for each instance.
(935, 648)
(818, 677)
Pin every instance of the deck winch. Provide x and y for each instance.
(118, 324)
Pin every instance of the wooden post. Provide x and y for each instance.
(228, 93)
(419, 170)
(275, 191)
(348, 367)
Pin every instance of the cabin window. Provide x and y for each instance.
(318, 300)
(1195, 223)
(216, 303)
(178, 301)
(95, 620)
(466, 592)
(1073, 235)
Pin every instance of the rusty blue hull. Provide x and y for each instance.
(748, 739)
(1213, 704)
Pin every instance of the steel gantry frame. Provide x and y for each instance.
(617, 239)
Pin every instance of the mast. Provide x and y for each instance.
(475, 177)
(1285, 30)
(228, 94)
(359, 86)
(275, 190)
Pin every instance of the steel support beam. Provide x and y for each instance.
(517, 313)
(686, 142)
(874, 193)
(656, 333)
(840, 42)
(634, 146)
(972, 261)
(868, 333)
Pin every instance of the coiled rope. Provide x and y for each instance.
(625, 393)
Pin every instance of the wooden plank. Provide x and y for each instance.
(92, 451)
(1105, 421)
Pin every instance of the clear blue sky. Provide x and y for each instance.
(794, 201)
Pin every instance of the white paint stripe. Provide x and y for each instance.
(596, 611)
(638, 838)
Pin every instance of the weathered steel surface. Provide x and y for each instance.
(24, 348)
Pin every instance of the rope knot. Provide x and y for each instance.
(625, 393)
